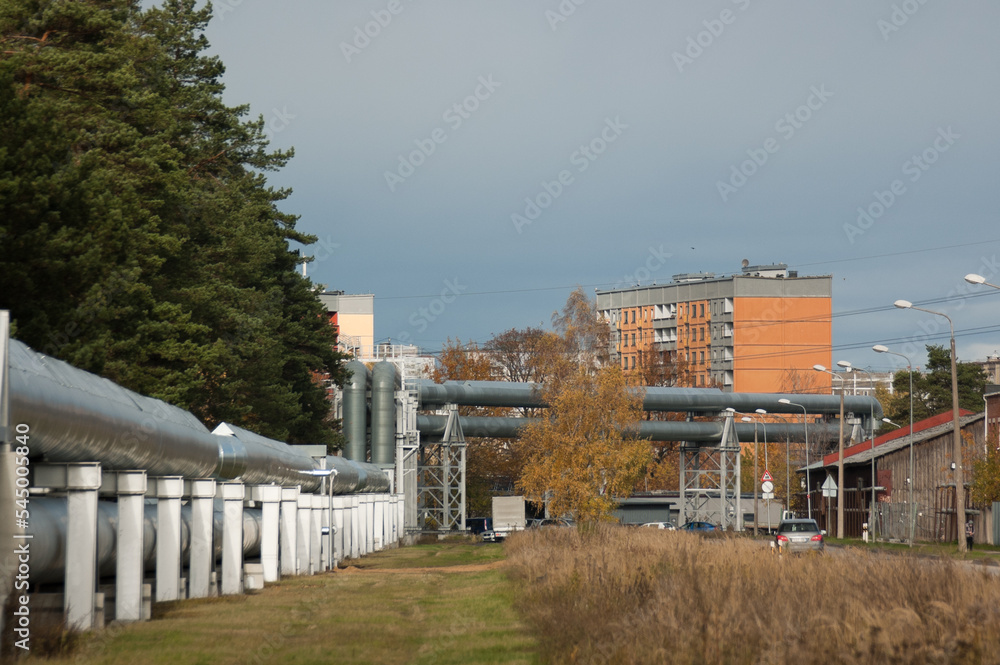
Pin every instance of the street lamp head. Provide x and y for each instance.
(903, 304)
(819, 368)
(784, 401)
(730, 409)
(761, 412)
(973, 278)
(889, 422)
(747, 419)
(845, 364)
(880, 348)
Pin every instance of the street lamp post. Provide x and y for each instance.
(805, 426)
(763, 424)
(959, 473)
(840, 454)
(879, 348)
(871, 420)
(747, 419)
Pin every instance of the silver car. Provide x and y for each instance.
(799, 535)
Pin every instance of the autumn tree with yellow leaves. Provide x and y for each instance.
(585, 455)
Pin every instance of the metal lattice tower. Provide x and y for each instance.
(710, 480)
(441, 477)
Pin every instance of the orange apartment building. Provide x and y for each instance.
(761, 330)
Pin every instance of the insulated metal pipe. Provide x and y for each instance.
(654, 430)
(356, 410)
(700, 400)
(48, 528)
(383, 413)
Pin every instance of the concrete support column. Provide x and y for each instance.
(201, 553)
(337, 526)
(130, 489)
(387, 513)
(369, 523)
(288, 536)
(168, 491)
(394, 516)
(80, 481)
(303, 537)
(356, 526)
(269, 498)
(232, 494)
(316, 534)
(401, 517)
(330, 529)
(378, 523)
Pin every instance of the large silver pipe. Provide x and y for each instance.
(699, 400)
(76, 416)
(383, 413)
(48, 536)
(655, 430)
(356, 410)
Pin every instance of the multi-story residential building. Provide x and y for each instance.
(761, 330)
(353, 317)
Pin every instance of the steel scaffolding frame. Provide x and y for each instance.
(441, 478)
(710, 480)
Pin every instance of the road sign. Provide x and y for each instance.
(829, 487)
(767, 495)
(767, 487)
(766, 477)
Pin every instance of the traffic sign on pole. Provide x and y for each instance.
(766, 477)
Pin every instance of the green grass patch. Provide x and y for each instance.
(387, 612)
(433, 555)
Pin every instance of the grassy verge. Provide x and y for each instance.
(616, 595)
(423, 610)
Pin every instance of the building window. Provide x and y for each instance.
(633, 341)
(633, 362)
(701, 334)
(701, 310)
(701, 360)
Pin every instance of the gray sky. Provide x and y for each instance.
(679, 136)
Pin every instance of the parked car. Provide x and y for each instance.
(799, 535)
(659, 525)
(699, 526)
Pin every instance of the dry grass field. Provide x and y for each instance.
(618, 595)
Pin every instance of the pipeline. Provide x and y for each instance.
(47, 531)
(76, 416)
(654, 430)
(699, 400)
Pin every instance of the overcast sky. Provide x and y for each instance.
(470, 162)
